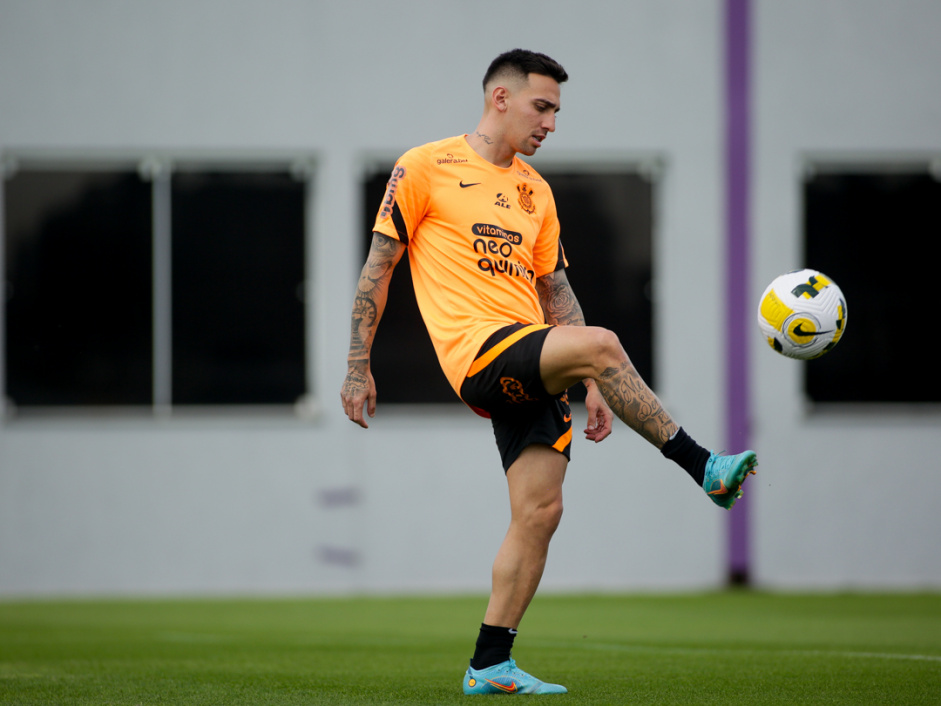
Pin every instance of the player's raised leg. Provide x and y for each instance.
(573, 353)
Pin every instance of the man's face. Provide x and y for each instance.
(531, 109)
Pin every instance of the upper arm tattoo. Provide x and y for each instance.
(384, 254)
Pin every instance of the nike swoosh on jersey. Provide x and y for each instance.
(464, 186)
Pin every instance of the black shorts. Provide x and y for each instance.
(504, 384)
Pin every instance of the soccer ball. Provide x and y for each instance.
(802, 314)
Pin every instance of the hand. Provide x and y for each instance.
(359, 389)
(600, 416)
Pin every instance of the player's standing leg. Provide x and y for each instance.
(535, 486)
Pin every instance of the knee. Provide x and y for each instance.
(544, 519)
(607, 349)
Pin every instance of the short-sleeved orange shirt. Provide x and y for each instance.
(478, 236)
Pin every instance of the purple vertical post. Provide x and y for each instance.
(737, 295)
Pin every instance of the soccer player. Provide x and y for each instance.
(488, 267)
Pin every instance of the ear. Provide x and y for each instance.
(498, 97)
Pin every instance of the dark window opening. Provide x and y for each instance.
(873, 232)
(238, 276)
(78, 288)
(80, 253)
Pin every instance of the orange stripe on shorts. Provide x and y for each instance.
(563, 441)
(488, 357)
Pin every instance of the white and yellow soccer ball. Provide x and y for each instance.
(802, 314)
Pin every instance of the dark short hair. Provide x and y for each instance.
(521, 63)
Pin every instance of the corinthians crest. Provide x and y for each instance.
(526, 198)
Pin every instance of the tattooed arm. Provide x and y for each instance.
(562, 309)
(558, 300)
(372, 290)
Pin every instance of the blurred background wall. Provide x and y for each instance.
(296, 499)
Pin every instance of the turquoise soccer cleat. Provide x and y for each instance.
(725, 475)
(506, 678)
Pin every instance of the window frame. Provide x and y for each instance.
(157, 168)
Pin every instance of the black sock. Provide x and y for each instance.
(493, 646)
(686, 452)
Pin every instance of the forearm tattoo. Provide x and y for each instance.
(363, 323)
(558, 300)
(635, 404)
(371, 292)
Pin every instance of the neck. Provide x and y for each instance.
(488, 144)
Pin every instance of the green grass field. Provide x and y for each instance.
(723, 648)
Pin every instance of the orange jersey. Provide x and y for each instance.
(478, 236)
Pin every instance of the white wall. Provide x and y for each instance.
(261, 504)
